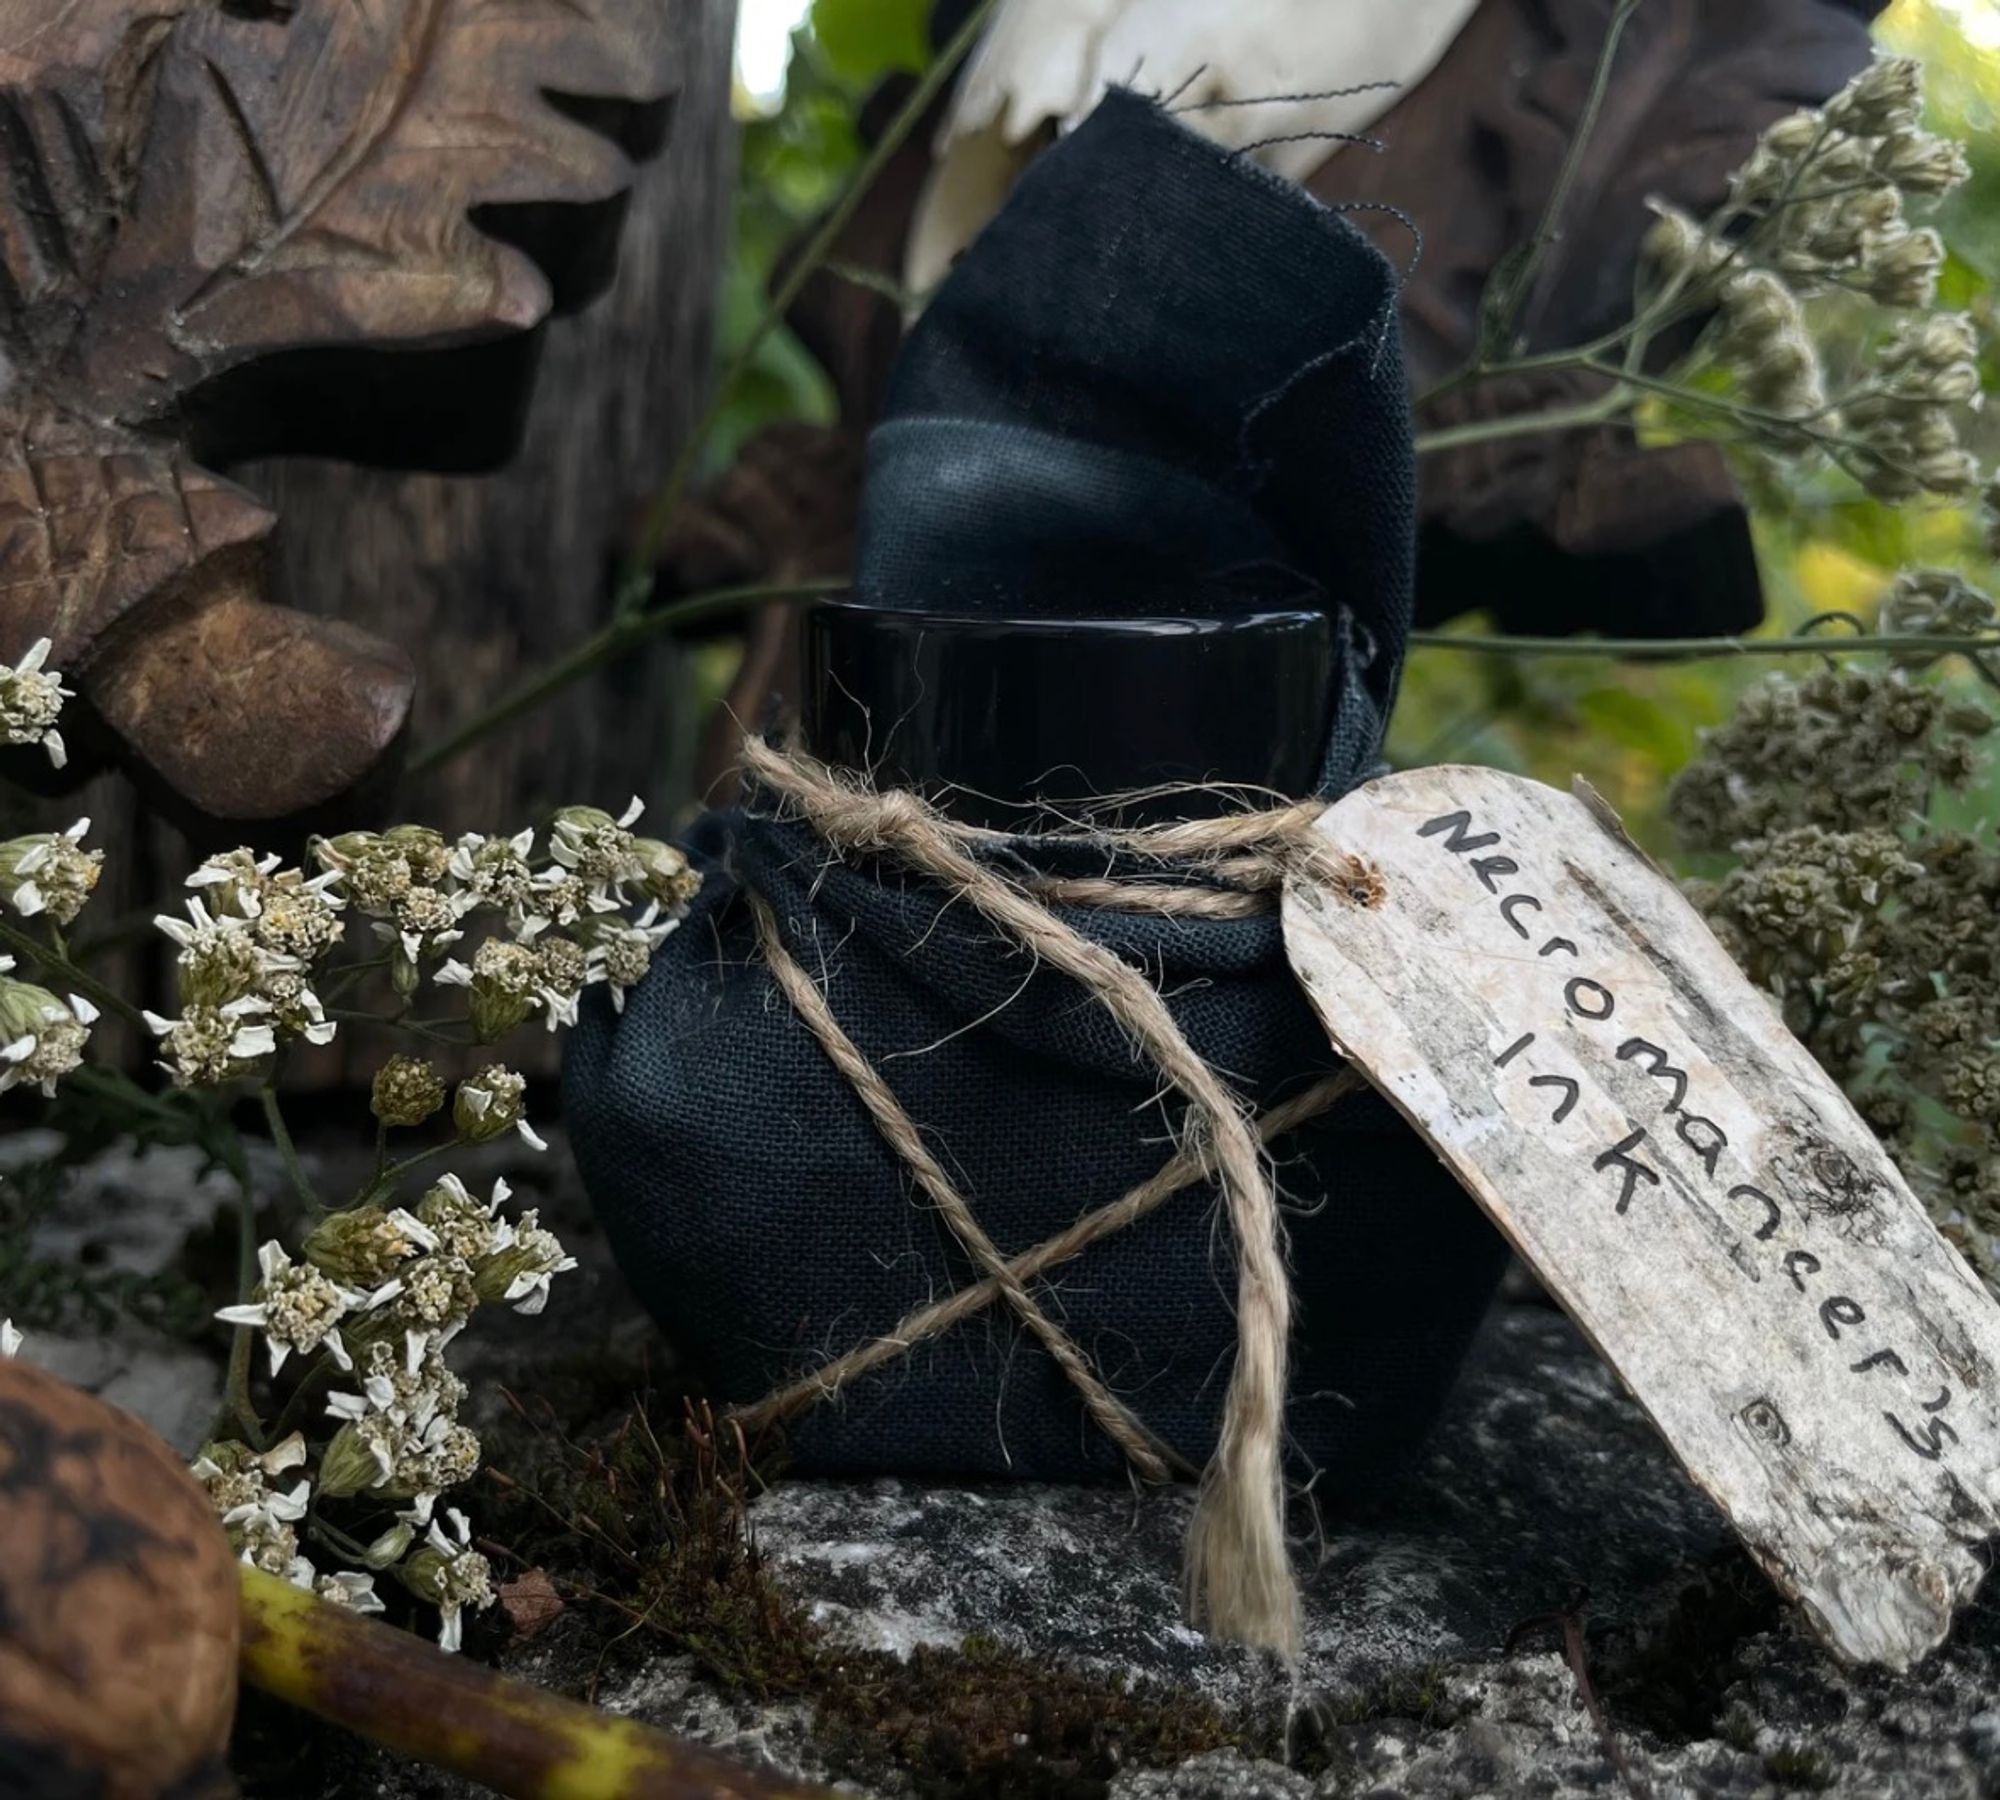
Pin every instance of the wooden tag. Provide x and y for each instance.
(1539, 1000)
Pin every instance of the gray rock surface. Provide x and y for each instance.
(1542, 1479)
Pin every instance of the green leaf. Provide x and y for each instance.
(867, 39)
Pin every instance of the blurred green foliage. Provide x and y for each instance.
(793, 164)
(1822, 547)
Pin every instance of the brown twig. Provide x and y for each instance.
(400, 1692)
(1567, 1622)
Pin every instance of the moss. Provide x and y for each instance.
(1800, 1766)
(1417, 1692)
(1738, 1728)
(645, 1528)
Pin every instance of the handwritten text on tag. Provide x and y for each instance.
(1544, 1005)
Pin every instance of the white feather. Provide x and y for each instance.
(1047, 63)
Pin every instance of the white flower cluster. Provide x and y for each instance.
(41, 1037)
(1821, 209)
(31, 697)
(381, 1292)
(248, 950)
(49, 874)
(592, 909)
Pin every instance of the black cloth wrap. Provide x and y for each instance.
(1159, 372)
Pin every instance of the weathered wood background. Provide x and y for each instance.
(484, 577)
(1543, 1004)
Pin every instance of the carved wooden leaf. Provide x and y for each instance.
(189, 188)
(340, 154)
(93, 520)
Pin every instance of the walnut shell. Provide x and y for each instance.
(118, 1608)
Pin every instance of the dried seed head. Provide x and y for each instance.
(406, 1091)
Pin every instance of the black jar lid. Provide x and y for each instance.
(995, 716)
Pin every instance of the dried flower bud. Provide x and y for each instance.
(665, 874)
(392, 1546)
(1947, 472)
(424, 851)
(505, 984)
(1886, 97)
(1903, 270)
(1794, 135)
(357, 1458)
(31, 698)
(407, 1090)
(49, 873)
(364, 1246)
(492, 1103)
(1758, 308)
(521, 1272)
(1677, 243)
(41, 1038)
(1919, 163)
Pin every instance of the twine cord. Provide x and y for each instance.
(1239, 1581)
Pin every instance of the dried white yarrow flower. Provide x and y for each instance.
(496, 872)
(464, 1226)
(41, 1037)
(519, 1274)
(452, 1576)
(492, 1103)
(380, 1290)
(208, 1045)
(297, 1308)
(31, 700)
(505, 986)
(261, 1518)
(49, 873)
(346, 1587)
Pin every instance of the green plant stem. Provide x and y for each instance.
(1691, 648)
(635, 581)
(288, 1152)
(1521, 284)
(386, 1178)
(336, 1540)
(52, 962)
(1557, 418)
(237, 1407)
(599, 648)
(427, 1029)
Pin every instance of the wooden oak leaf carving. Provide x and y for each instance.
(218, 219)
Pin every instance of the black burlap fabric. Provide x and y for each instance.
(1161, 377)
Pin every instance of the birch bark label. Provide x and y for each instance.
(1540, 1001)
